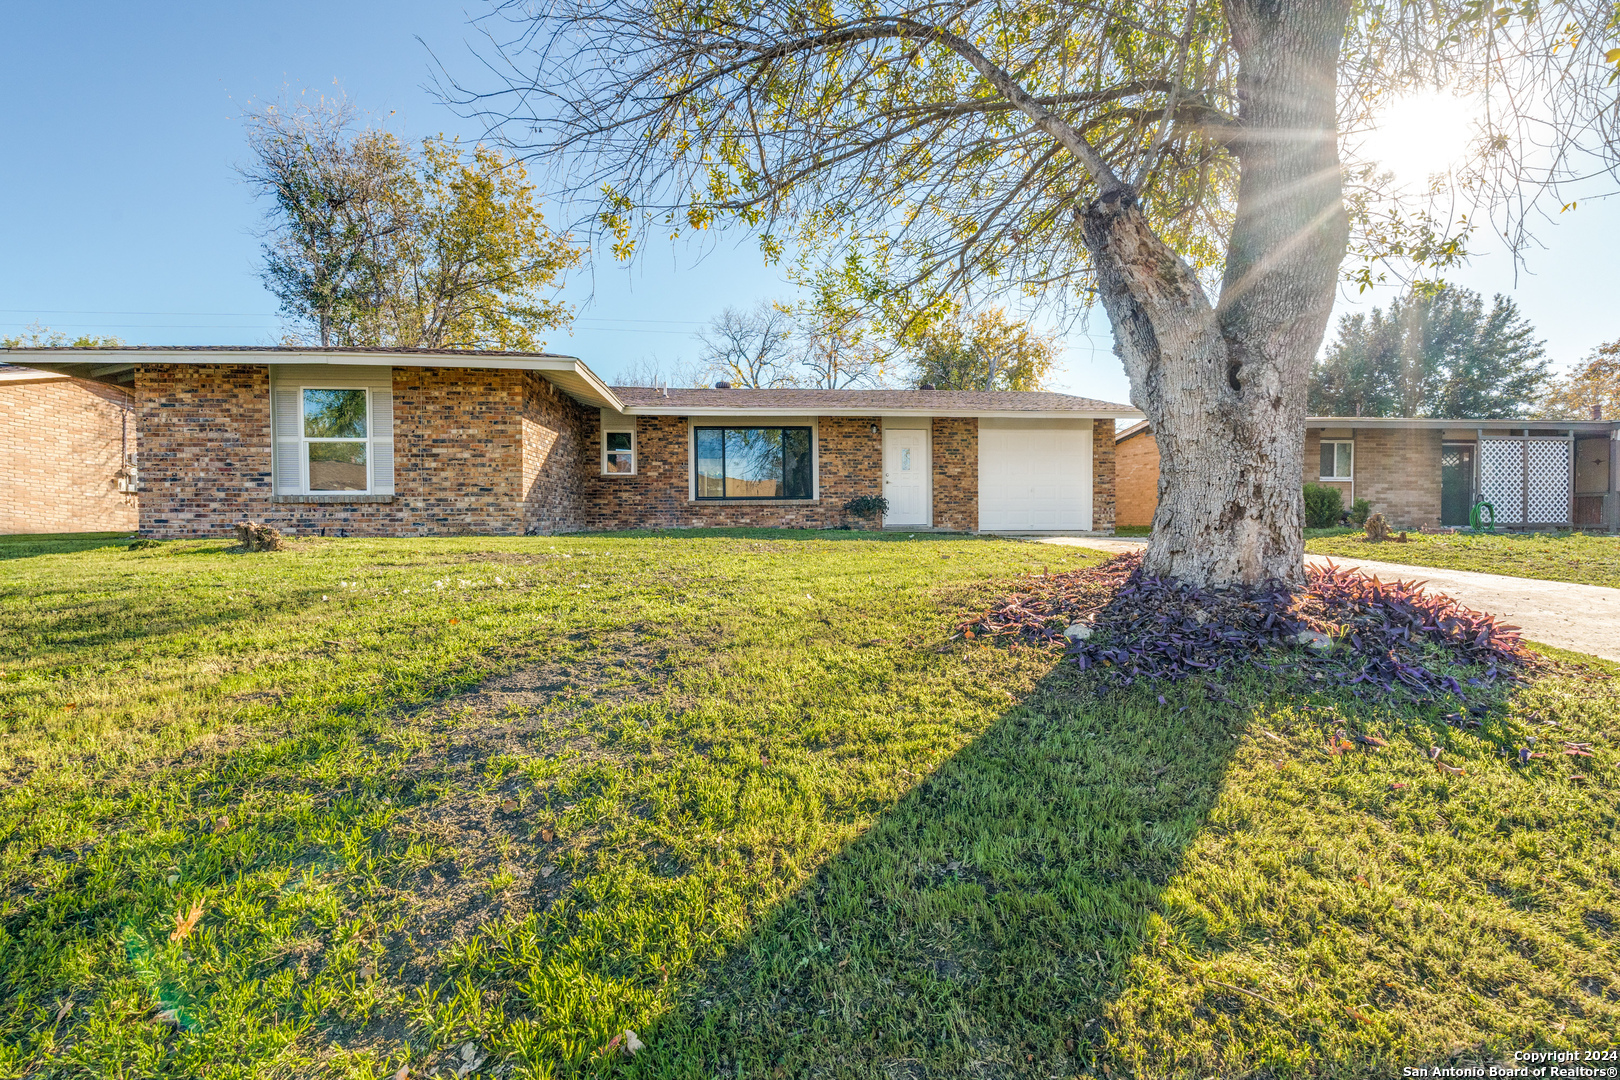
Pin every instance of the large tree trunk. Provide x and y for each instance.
(1224, 386)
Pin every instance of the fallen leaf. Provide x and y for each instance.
(547, 835)
(547, 871)
(173, 878)
(185, 924)
(404, 1073)
(1452, 769)
(631, 1042)
(74, 705)
(368, 972)
(454, 621)
(1354, 1015)
(1396, 785)
(509, 805)
(168, 1016)
(1434, 753)
(1573, 752)
(221, 823)
(65, 1008)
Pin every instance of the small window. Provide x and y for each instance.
(334, 436)
(1338, 457)
(753, 463)
(619, 452)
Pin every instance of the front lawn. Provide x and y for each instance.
(476, 807)
(1577, 557)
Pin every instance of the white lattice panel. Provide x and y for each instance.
(1501, 478)
(1549, 481)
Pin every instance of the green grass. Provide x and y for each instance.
(1133, 530)
(743, 793)
(1576, 557)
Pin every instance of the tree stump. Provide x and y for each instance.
(1377, 528)
(255, 537)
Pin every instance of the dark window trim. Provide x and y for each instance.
(810, 433)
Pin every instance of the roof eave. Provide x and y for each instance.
(1454, 423)
(117, 366)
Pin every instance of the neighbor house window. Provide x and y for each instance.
(336, 439)
(619, 452)
(1337, 458)
(754, 463)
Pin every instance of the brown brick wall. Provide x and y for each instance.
(1104, 466)
(555, 444)
(1136, 466)
(61, 449)
(850, 460)
(475, 452)
(956, 473)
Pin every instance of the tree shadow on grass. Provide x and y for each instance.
(1125, 887)
(983, 924)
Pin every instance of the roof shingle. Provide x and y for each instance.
(1032, 401)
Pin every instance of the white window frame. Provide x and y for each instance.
(1351, 443)
(305, 440)
(624, 427)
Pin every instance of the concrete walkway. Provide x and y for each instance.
(1582, 618)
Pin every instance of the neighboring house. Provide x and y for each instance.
(66, 454)
(1426, 473)
(419, 443)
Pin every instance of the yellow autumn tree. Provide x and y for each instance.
(1595, 384)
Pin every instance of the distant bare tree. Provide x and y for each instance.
(836, 351)
(651, 371)
(752, 347)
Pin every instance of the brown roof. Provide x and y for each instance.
(1135, 429)
(808, 401)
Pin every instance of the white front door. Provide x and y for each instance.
(905, 476)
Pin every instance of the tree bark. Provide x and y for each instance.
(1224, 385)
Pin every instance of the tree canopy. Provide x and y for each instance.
(373, 242)
(1594, 384)
(989, 350)
(1441, 354)
(940, 150)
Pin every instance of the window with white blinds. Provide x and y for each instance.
(334, 430)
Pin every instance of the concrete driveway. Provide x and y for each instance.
(1582, 618)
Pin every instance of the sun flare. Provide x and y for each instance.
(1419, 135)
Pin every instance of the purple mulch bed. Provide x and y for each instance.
(1388, 636)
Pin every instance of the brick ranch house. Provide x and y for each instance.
(426, 443)
(1428, 473)
(67, 445)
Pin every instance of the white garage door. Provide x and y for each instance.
(1034, 475)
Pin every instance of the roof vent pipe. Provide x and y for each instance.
(722, 386)
(926, 386)
(1597, 412)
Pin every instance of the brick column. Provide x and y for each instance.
(1102, 476)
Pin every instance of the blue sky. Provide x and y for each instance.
(123, 214)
